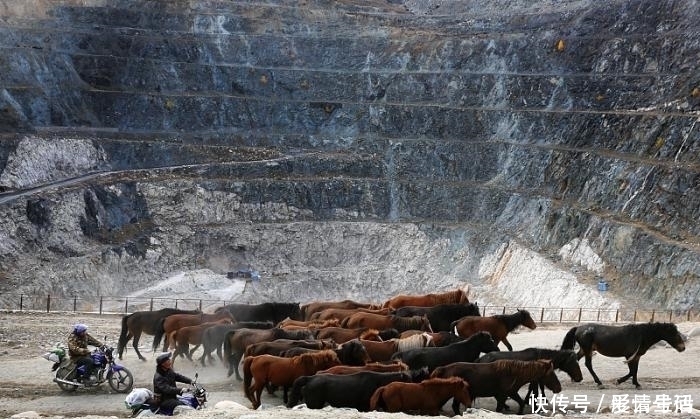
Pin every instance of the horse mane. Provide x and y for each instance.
(511, 321)
(370, 334)
(521, 368)
(439, 381)
(420, 340)
(318, 359)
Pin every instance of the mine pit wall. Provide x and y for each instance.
(363, 149)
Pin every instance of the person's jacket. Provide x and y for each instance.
(164, 383)
(78, 345)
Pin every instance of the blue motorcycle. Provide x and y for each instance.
(143, 402)
(69, 376)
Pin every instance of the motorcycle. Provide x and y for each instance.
(143, 402)
(69, 376)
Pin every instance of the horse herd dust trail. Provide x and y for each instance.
(27, 389)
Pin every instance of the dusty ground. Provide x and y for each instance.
(26, 378)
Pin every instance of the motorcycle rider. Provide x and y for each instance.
(78, 342)
(164, 383)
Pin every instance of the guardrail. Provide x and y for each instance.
(124, 305)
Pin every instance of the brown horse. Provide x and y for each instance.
(237, 341)
(134, 324)
(381, 322)
(308, 309)
(342, 335)
(308, 324)
(428, 300)
(263, 370)
(182, 338)
(426, 397)
(498, 326)
(382, 351)
(176, 321)
(342, 313)
(395, 366)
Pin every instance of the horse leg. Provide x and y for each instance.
(500, 403)
(189, 354)
(508, 345)
(521, 403)
(135, 344)
(589, 365)
(633, 367)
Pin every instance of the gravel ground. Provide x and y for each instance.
(27, 388)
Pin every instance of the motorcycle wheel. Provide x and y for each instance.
(121, 381)
(66, 373)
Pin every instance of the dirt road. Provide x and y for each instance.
(26, 378)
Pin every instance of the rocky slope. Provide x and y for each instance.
(352, 149)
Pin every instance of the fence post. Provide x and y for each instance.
(635, 315)
(101, 304)
(688, 314)
(21, 301)
(597, 318)
(126, 305)
(75, 303)
(653, 312)
(151, 303)
(48, 303)
(176, 303)
(561, 314)
(504, 310)
(542, 315)
(579, 314)
(617, 314)
(200, 305)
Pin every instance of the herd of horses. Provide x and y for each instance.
(411, 354)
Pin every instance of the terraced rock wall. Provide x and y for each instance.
(349, 148)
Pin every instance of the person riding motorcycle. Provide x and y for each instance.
(164, 383)
(78, 342)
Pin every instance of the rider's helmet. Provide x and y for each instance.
(79, 328)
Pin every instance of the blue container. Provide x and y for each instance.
(602, 285)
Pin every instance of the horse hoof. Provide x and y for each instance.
(601, 386)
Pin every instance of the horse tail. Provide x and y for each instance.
(569, 339)
(158, 335)
(295, 393)
(123, 336)
(248, 378)
(376, 402)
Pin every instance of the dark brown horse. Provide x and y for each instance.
(381, 322)
(176, 321)
(426, 397)
(500, 379)
(428, 300)
(133, 325)
(630, 341)
(263, 370)
(277, 346)
(308, 309)
(237, 341)
(213, 337)
(498, 326)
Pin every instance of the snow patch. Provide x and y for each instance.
(579, 251)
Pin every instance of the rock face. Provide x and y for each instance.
(356, 149)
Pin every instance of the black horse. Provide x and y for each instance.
(563, 360)
(630, 341)
(133, 325)
(274, 312)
